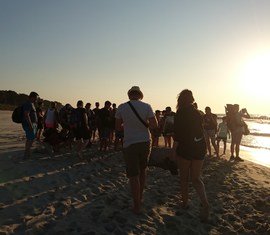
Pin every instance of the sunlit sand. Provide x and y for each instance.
(67, 195)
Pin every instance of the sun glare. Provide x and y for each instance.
(255, 77)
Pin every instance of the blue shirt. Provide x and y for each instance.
(29, 107)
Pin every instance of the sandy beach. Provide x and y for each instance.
(66, 195)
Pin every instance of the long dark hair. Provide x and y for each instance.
(185, 98)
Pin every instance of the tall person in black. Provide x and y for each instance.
(81, 128)
(190, 149)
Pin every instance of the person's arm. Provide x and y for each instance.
(153, 123)
(28, 119)
(85, 119)
(218, 128)
(118, 124)
(214, 118)
(246, 114)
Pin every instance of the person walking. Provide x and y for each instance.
(136, 116)
(210, 130)
(81, 129)
(190, 149)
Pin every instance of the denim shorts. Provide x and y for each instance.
(30, 134)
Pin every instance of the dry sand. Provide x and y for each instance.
(65, 195)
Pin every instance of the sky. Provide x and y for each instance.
(95, 50)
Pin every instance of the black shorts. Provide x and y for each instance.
(136, 157)
(82, 133)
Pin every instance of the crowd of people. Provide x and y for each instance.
(78, 126)
(136, 128)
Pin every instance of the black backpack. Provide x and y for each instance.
(230, 116)
(17, 115)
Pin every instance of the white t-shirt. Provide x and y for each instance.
(134, 130)
(223, 130)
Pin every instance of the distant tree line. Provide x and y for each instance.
(10, 99)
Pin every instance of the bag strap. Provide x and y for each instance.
(138, 116)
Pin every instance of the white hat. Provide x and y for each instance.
(135, 89)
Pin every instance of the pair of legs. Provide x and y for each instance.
(193, 168)
(81, 144)
(112, 135)
(137, 184)
(104, 143)
(104, 139)
(39, 132)
(235, 144)
(30, 134)
(210, 139)
(95, 129)
(83, 136)
(224, 147)
(136, 158)
(168, 141)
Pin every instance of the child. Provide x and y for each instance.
(222, 131)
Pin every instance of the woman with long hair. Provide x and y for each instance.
(190, 149)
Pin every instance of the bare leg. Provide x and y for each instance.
(184, 167)
(135, 191)
(39, 132)
(81, 145)
(198, 184)
(142, 182)
(28, 145)
(208, 145)
(225, 145)
(166, 141)
(232, 148)
(169, 141)
(214, 145)
(237, 150)
(218, 147)
(94, 135)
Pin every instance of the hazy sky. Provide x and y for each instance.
(96, 50)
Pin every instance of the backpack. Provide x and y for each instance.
(230, 116)
(17, 115)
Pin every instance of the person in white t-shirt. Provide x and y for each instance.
(222, 134)
(137, 141)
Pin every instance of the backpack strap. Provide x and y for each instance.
(137, 115)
